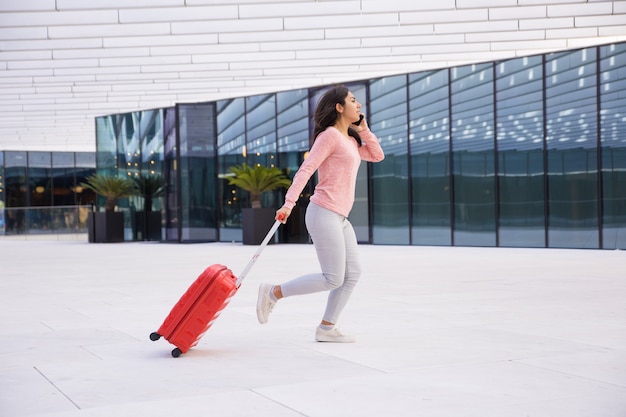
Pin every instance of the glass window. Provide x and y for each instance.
(63, 181)
(39, 176)
(85, 165)
(430, 158)
(473, 161)
(128, 144)
(293, 138)
(519, 101)
(16, 191)
(390, 178)
(231, 150)
(261, 139)
(198, 182)
(571, 140)
(151, 131)
(171, 172)
(107, 130)
(613, 141)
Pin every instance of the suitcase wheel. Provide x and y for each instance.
(154, 336)
(176, 352)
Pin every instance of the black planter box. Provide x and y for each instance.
(256, 223)
(150, 230)
(103, 227)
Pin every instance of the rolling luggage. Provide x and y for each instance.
(203, 302)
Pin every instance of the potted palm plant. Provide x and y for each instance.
(149, 187)
(257, 180)
(108, 226)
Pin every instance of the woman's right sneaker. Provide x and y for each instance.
(333, 335)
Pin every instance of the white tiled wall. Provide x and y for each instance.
(63, 62)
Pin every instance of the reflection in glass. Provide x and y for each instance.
(571, 140)
(231, 150)
(171, 174)
(261, 139)
(198, 180)
(39, 175)
(390, 177)
(613, 142)
(15, 163)
(292, 128)
(519, 101)
(430, 154)
(107, 130)
(473, 155)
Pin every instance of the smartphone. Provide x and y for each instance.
(358, 122)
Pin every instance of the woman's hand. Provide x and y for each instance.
(282, 214)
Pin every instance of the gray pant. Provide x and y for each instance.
(337, 251)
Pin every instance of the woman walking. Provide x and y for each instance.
(341, 140)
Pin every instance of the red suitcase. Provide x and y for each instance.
(202, 303)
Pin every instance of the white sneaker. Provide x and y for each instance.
(334, 335)
(264, 304)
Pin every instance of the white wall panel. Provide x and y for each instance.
(598, 21)
(465, 4)
(406, 5)
(99, 31)
(14, 45)
(115, 4)
(273, 36)
(450, 16)
(604, 8)
(40, 32)
(331, 8)
(495, 37)
(571, 33)
(530, 12)
(178, 14)
(389, 32)
(221, 26)
(27, 5)
(57, 19)
(363, 21)
(554, 23)
(476, 27)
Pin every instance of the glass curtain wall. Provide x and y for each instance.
(572, 149)
(473, 161)
(520, 152)
(612, 63)
(527, 152)
(390, 177)
(429, 135)
(16, 191)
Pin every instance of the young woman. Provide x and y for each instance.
(338, 148)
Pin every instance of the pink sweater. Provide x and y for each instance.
(337, 160)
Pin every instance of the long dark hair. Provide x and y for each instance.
(326, 115)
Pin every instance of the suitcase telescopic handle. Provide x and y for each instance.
(262, 246)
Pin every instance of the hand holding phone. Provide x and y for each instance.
(358, 122)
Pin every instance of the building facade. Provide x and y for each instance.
(527, 152)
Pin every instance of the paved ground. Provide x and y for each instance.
(455, 332)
